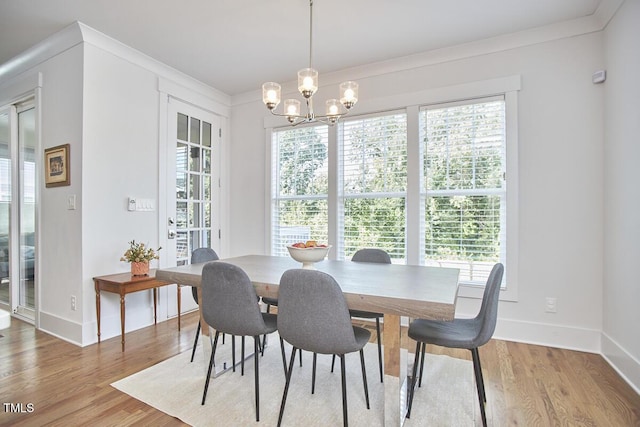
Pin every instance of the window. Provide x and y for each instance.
(426, 181)
(463, 190)
(373, 176)
(299, 187)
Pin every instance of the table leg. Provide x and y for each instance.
(97, 286)
(179, 295)
(155, 305)
(122, 319)
(395, 373)
(203, 325)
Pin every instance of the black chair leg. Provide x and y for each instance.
(379, 349)
(233, 353)
(286, 386)
(424, 348)
(364, 378)
(475, 353)
(345, 416)
(333, 362)
(195, 342)
(213, 353)
(414, 374)
(313, 373)
(242, 356)
(479, 386)
(284, 358)
(257, 375)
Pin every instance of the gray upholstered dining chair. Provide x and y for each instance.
(381, 257)
(313, 315)
(198, 256)
(229, 305)
(467, 334)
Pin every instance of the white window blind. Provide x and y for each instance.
(373, 182)
(299, 186)
(464, 188)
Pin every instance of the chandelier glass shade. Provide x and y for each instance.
(307, 86)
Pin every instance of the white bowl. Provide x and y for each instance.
(308, 256)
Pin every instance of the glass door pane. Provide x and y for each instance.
(27, 186)
(192, 190)
(193, 186)
(5, 205)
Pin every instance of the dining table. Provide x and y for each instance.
(395, 290)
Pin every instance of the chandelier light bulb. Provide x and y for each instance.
(349, 91)
(271, 94)
(333, 107)
(292, 107)
(307, 82)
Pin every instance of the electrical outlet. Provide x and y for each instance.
(550, 305)
(73, 302)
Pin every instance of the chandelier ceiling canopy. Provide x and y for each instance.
(307, 86)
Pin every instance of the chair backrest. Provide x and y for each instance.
(203, 255)
(229, 300)
(488, 315)
(371, 255)
(313, 314)
(198, 256)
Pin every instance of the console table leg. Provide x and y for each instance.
(155, 305)
(122, 319)
(98, 308)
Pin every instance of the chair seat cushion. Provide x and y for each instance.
(365, 314)
(270, 301)
(459, 333)
(362, 336)
(270, 323)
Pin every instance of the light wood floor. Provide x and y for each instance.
(527, 385)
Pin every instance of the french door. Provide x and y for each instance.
(18, 143)
(192, 185)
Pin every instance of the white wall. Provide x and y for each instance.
(109, 102)
(621, 293)
(560, 168)
(56, 81)
(120, 159)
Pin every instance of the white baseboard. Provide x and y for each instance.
(625, 364)
(64, 329)
(567, 337)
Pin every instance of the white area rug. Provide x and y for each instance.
(447, 396)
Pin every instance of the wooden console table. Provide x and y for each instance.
(125, 283)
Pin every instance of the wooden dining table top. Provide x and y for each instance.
(401, 290)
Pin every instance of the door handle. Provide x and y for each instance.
(171, 234)
(171, 221)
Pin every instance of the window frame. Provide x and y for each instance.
(343, 196)
(507, 87)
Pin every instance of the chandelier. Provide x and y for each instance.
(308, 85)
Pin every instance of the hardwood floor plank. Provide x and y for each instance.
(527, 385)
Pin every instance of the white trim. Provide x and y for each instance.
(66, 329)
(551, 335)
(77, 33)
(414, 182)
(59, 42)
(621, 361)
(202, 100)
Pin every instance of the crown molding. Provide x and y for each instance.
(576, 27)
(78, 33)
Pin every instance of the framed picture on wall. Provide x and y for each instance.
(56, 166)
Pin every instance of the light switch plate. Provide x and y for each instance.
(71, 202)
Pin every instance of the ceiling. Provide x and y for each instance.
(235, 45)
